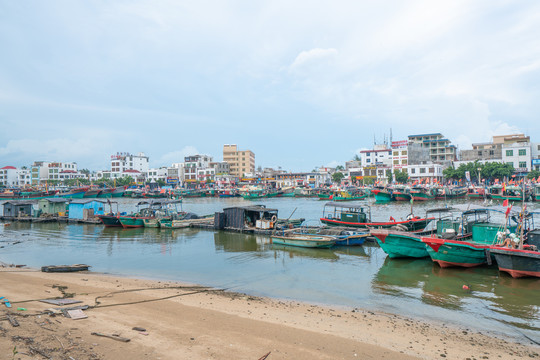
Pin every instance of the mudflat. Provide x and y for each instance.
(185, 321)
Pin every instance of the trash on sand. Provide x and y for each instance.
(60, 302)
(77, 314)
(12, 321)
(114, 337)
(137, 328)
(21, 309)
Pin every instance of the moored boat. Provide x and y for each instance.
(304, 240)
(401, 193)
(420, 193)
(359, 216)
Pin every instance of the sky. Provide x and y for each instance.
(300, 83)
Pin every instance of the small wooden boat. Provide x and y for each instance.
(65, 268)
(305, 240)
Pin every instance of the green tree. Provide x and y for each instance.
(337, 177)
(533, 174)
(124, 181)
(161, 182)
(339, 167)
(356, 158)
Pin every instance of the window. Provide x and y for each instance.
(522, 152)
(396, 162)
(404, 153)
(413, 171)
(422, 170)
(480, 153)
(509, 152)
(491, 152)
(522, 164)
(431, 170)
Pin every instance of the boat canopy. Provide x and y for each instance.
(346, 206)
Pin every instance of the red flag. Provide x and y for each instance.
(538, 180)
(392, 219)
(508, 210)
(505, 203)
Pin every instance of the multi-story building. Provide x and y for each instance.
(9, 176)
(535, 156)
(400, 155)
(192, 165)
(221, 168)
(431, 172)
(123, 161)
(516, 150)
(153, 175)
(440, 149)
(240, 161)
(312, 179)
(381, 155)
(482, 151)
(42, 171)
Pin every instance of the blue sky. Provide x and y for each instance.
(302, 84)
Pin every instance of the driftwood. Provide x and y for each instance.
(12, 321)
(114, 337)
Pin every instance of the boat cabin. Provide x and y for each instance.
(246, 218)
(85, 209)
(347, 212)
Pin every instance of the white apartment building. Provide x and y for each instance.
(153, 175)
(192, 165)
(123, 161)
(518, 154)
(431, 172)
(379, 156)
(42, 171)
(9, 176)
(535, 156)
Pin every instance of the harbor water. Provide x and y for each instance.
(349, 277)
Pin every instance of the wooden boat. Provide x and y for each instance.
(512, 193)
(118, 192)
(106, 193)
(476, 192)
(472, 251)
(446, 193)
(401, 193)
(352, 239)
(383, 194)
(518, 254)
(420, 193)
(110, 220)
(92, 193)
(304, 240)
(76, 193)
(399, 244)
(359, 216)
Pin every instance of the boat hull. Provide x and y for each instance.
(311, 242)
(517, 263)
(400, 244)
(412, 225)
(131, 221)
(450, 253)
(110, 220)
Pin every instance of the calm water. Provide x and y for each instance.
(346, 276)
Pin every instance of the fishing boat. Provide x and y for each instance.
(351, 238)
(518, 254)
(118, 192)
(163, 210)
(446, 193)
(137, 220)
(111, 219)
(92, 192)
(359, 216)
(420, 193)
(304, 240)
(400, 244)
(383, 194)
(472, 251)
(348, 196)
(536, 192)
(401, 193)
(476, 192)
(503, 192)
(75, 193)
(106, 193)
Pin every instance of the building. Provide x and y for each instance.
(517, 152)
(381, 155)
(123, 161)
(440, 149)
(221, 168)
(426, 172)
(192, 166)
(535, 156)
(482, 151)
(9, 176)
(240, 161)
(85, 209)
(42, 171)
(153, 175)
(400, 155)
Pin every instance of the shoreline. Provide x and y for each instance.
(197, 323)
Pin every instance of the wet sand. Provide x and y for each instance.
(192, 322)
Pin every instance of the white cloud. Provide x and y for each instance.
(176, 156)
(306, 57)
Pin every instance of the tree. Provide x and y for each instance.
(161, 183)
(534, 174)
(401, 176)
(337, 177)
(124, 181)
(356, 158)
(339, 167)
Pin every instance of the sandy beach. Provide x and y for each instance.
(182, 321)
